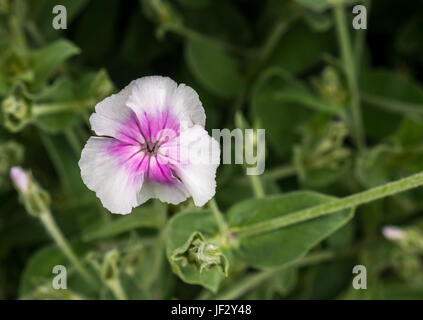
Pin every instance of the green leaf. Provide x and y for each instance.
(141, 217)
(232, 28)
(301, 48)
(273, 12)
(214, 68)
(287, 244)
(281, 284)
(66, 166)
(387, 97)
(153, 274)
(39, 268)
(239, 188)
(61, 91)
(46, 60)
(318, 22)
(93, 87)
(280, 117)
(374, 166)
(183, 229)
(323, 287)
(38, 271)
(410, 133)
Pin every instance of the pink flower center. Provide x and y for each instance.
(145, 144)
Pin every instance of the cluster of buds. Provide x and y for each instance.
(107, 265)
(326, 151)
(201, 253)
(330, 87)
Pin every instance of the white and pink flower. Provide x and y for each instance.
(153, 145)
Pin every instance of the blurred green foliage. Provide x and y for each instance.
(276, 63)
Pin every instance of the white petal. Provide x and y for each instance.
(111, 113)
(200, 158)
(115, 185)
(174, 194)
(187, 106)
(156, 93)
(151, 95)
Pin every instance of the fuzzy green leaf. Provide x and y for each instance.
(286, 244)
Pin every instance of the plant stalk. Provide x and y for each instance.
(350, 73)
(352, 201)
(257, 186)
(51, 226)
(223, 227)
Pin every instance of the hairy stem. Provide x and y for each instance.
(53, 107)
(257, 186)
(352, 201)
(51, 226)
(116, 287)
(223, 227)
(74, 141)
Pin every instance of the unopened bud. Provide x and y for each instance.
(20, 179)
(201, 253)
(17, 113)
(35, 199)
(393, 233)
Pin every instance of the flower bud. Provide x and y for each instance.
(35, 199)
(393, 233)
(330, 87)
(20, 179)
(17, 113)
(110, 267)
(203, 254)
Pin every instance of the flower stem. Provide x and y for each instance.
(271, 42)
(50, 108)
(350, 72)
(280, 173)
(257, 186)
(116, 287)
(352, 201)
(74, 141)
(51, 226)
(274, 174)
(221, 223)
